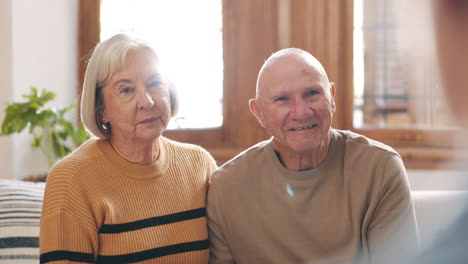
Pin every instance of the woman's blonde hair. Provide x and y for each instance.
(106, 59)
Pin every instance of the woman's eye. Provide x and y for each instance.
(126, 90)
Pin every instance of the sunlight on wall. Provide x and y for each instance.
(187, 36)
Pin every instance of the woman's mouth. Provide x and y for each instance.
(148, 120)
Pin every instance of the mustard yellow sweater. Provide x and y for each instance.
(100, 208)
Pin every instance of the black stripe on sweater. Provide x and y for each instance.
(19, 242)
(153, 221)
(66, 255)
(155, 253)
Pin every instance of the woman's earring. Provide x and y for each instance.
(104, 126)
(104, 122)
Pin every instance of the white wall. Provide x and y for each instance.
(40, 37)
(6, 143)
(441, 180)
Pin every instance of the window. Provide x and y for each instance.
(397, 96)
(395, 86)
(188, 42)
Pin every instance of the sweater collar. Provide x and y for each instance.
(132, 170)
(304, 175)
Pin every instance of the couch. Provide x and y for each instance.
(20, 211)
(21, 202)
(436, 210)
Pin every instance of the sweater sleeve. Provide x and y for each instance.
(220, 252)
(67, 231)
(392, 233)
(66, 240)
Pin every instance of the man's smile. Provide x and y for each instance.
(302, 128)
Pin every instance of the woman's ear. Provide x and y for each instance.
(103, 118)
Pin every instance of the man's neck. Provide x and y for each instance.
(305, 160)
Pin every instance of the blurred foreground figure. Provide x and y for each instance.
(451, 32)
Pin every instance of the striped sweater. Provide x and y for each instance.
(98, 207)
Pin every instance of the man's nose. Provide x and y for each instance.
(301, 110)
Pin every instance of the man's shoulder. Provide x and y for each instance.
(244, 161)
(360, 142)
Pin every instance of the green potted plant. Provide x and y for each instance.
(52, 133)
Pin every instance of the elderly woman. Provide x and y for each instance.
(130, 195)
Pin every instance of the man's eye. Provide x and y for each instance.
(312, 92)
(281, 98)
(155, 84)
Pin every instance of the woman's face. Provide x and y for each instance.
(137, 100)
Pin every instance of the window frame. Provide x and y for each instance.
(252, 30)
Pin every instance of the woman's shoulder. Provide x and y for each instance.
(85, 156)
(184, 147)
(190, 153)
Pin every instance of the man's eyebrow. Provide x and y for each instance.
(315, 87)
(156, 76)
(278, 94)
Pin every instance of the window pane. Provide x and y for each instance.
(187, 36)
(396, 83)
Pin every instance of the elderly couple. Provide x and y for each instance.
(310, 194)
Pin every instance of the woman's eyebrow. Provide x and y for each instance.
(118, 82)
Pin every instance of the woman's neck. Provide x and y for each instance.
(142, 153)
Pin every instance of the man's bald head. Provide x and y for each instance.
(277, 59)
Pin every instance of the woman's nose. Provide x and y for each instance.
(145, 101)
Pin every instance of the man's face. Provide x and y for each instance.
(295, 104)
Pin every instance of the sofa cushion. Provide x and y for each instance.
(20, 211)
(437, 210)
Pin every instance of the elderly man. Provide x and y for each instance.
(310, 194)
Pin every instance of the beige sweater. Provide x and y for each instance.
(354, 208)
(100, 207)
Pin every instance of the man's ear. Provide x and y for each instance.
(332, 93)
(255, 110)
